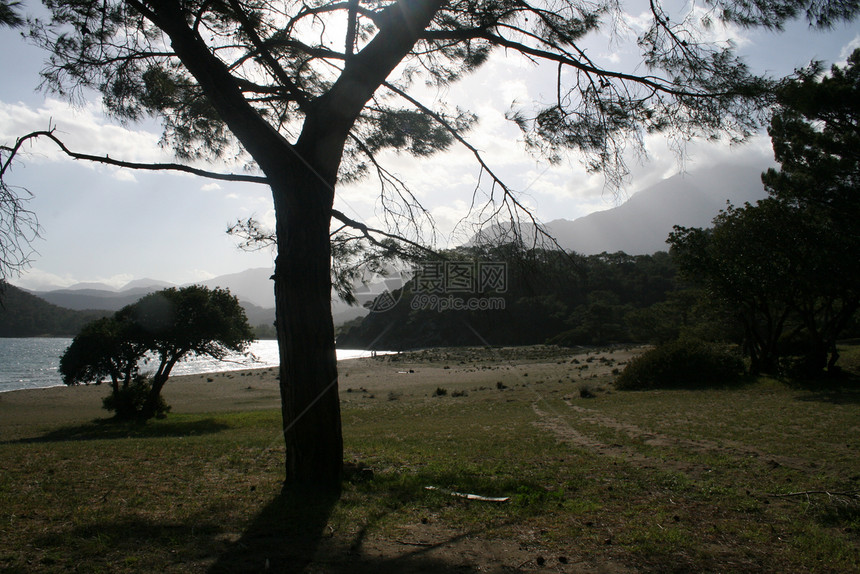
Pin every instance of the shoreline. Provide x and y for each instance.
(29, 413)
(201, 366)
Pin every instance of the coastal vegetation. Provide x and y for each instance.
(548, 296)
(164, 328)
(777, 280)
(682, 363)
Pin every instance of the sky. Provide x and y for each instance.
(103, 224)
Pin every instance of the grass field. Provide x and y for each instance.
(763, 477)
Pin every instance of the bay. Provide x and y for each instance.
(33, 363)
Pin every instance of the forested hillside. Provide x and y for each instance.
(547, 296)
(25, 315)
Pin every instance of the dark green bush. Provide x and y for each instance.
(681, 364)
(127, 403)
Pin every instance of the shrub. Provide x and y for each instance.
(683, 363)
(127, 402)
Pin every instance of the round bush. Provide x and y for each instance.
(681, 364)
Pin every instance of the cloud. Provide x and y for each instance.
(200, 275)
(116, 281)
(81, 129)
(36, 279)
(123, 175)
(847, 50)
(711, 29)
(210, 187)
(699, 24)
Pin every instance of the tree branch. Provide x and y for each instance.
(126, 164)
(508, 194)
(276, 69)
(351, 27)
(368, 232)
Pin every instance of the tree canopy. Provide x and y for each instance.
(283, 63)
(9, 15)
(815, 131)
(310, 93)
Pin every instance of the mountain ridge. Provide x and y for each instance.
(641, 225)
(253, 287)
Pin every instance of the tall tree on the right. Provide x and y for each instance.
(816, 139)
(787, 267)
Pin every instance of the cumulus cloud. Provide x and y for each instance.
(712, 29)
(81, 129)
(698, 23)
(200, 275)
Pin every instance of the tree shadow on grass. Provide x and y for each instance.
(116, 545)
(415, 559)
(291, 535)
(833, 396)
(841, 389)
(110, 429)
(283, 537)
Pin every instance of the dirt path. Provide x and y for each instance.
(561, 425)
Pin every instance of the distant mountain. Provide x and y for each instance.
(101, 299)
(252, 285)
(255, 286)
(23, 314)
(90, 286)
(146, 285)
(641, 225)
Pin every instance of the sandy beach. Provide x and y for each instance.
(27, 412)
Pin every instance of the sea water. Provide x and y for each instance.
(30, 363)
(33, 363)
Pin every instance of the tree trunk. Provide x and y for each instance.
(153, 399)
(834, 357)
(303, 191)
(308, 373)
